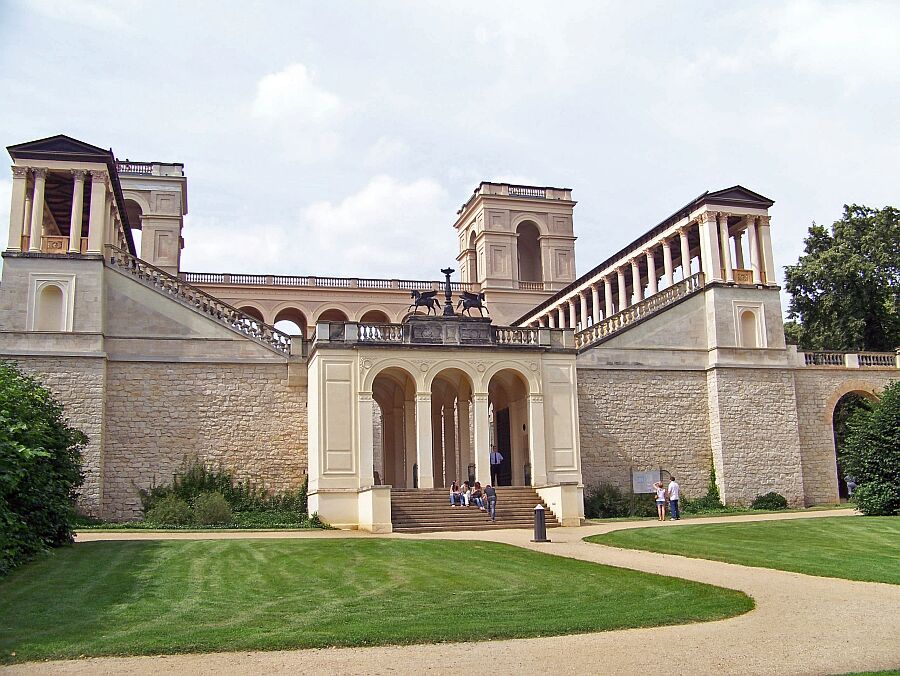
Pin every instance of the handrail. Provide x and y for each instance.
(200, 300)
(322, 282)
(637, 312)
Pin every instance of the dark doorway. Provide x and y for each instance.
(505, 447)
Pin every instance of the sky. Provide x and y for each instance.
(340, 138)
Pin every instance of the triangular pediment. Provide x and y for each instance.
(738, 195)
(58, 147)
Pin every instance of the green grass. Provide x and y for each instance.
(152, 597)
(854, 548)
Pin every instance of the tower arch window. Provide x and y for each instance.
(528, 250)
(50, 309)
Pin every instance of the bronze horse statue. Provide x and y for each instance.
(426, 299)
(471, 300)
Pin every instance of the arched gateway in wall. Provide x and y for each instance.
(421, 404)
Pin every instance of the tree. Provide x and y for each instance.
(40, 468)
(871, 454)
(845, 289)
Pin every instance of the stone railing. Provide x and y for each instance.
(380, 333)
(212, 307)
(135, 168)
(312, 281)
(531, 286)
(527, 191)
(852, 360)
(631, 315)
(504, 335)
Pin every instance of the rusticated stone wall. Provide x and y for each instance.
(241, 416)
(644, 420)
(754, 434)
(818, 392)
(78, 383)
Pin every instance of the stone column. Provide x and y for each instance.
(765, 246)
(365, 410)
(595, 303)
(638, 295)
(437, 441)
(582, 298)
(482, 438)
(573, 318)
(652, 287)
(451, 471)
(668, 269)
(709, 247)
(607, 298)
(685, 253)
(77, 211)
(738, 251)
(17, 207)
(623, 295)
(463, 425)
(424, 440)
(753, 245)
(410, 438)
(37, 210)
(561, 317)
(725, 240)
(551, 320)
(536, 443)
(97, 216)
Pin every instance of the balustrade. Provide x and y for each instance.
(526, 191)
(381, 333)
(515, 336)
(202, 301)
(851, 359)
(325, 282)
(634, 313)
(878, 359)
(145, 168)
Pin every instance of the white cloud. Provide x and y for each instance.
(389, 227)
(386, 152)
(293, 93)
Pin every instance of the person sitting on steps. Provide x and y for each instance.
(455, 495)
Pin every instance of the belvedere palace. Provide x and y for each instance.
(667, 356)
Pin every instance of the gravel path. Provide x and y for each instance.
(802, 625)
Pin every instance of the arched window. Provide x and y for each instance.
(528, 247)
(49, 309)
(749, 329)
(473, 259)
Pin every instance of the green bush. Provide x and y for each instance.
(170, 510)
(711, 502)
(871, 454)
(211, 509)
(771, 500)
(877, 498)
(40, 468)
(607, 501)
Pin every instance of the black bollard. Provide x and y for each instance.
(540, 525)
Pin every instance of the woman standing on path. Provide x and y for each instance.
(660, 500)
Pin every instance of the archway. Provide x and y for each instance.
(375, 317)
(253, 312)
(451, 427)
(473, 259)
(528, 249)
(394, 392)
(332, 315)
(508, 407)
(134, 213)
(292, 321)
(844, 409)
(49, 309)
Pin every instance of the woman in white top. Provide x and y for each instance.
(660, 500)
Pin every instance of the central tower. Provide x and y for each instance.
(517, 237)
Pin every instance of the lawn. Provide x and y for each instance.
(151, 597)
(854, 548)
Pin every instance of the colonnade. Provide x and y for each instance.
(28, 227)
(714, 238)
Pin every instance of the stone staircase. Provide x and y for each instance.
(420, 510)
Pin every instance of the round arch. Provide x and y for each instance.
(452, 364)
(332, 314)
(50, 308)
(394, 428)
(531, 218)
(292, 321)
(253, 311)
(451, 425)
(528, 251)
(864, 388)
(508, 392)
(139, 199)
(844, 396)
(531, 377)
(375, 316)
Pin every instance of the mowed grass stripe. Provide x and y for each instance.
(853, 548)
(130, 598)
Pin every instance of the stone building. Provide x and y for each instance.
(669, 356)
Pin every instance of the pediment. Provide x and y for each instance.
(58, 147)
(738, 195)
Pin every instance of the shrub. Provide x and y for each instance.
(871, 454)
(771, 500)
(607, 501)
(170, 510)
(211, 509)
(711, 502)
(40, 468)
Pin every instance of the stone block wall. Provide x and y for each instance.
(754, 434)
(644, 419)
(818, 392)
(241, 416)
(78, 383)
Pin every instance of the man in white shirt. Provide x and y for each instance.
(673, 492)
(496, 459)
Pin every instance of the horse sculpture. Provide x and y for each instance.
(426, 299)
(471, 300)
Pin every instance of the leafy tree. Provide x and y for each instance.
(871, 454)
(845, 289)
(40, 468)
